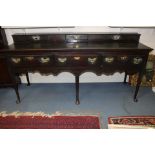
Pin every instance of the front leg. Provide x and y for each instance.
(125, 77)
(140, 75)
(77, 89)
(28, 80)
(17, 94)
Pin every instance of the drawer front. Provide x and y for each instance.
(113, 37)
(123, 61)
(77, 61)
(31, 61)
(46, 38)
(38, 38)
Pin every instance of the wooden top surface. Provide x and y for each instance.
(76, 46)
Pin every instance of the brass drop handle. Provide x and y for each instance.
(109, 59)
(92, 60)
(16, 60)
(116, 37)
(44, 59)
(29, 58)
(76, 36)
(62, 60)
(123, 58)
(137, 60)
(36, 38)
(76, 58)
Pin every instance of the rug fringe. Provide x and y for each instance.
(18, 113)
(120, 126)
(57, 113)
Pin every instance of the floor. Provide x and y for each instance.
(103, 99)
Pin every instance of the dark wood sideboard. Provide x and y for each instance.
(101, 53)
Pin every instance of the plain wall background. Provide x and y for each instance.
(147, 37)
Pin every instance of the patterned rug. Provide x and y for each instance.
(129, 122)
(48, 122)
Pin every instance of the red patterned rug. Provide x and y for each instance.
(46, 122)
(131, 122)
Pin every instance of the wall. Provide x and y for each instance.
(147, 37)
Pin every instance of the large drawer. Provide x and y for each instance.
(77, 60)
(31, 61)
(123, 61)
